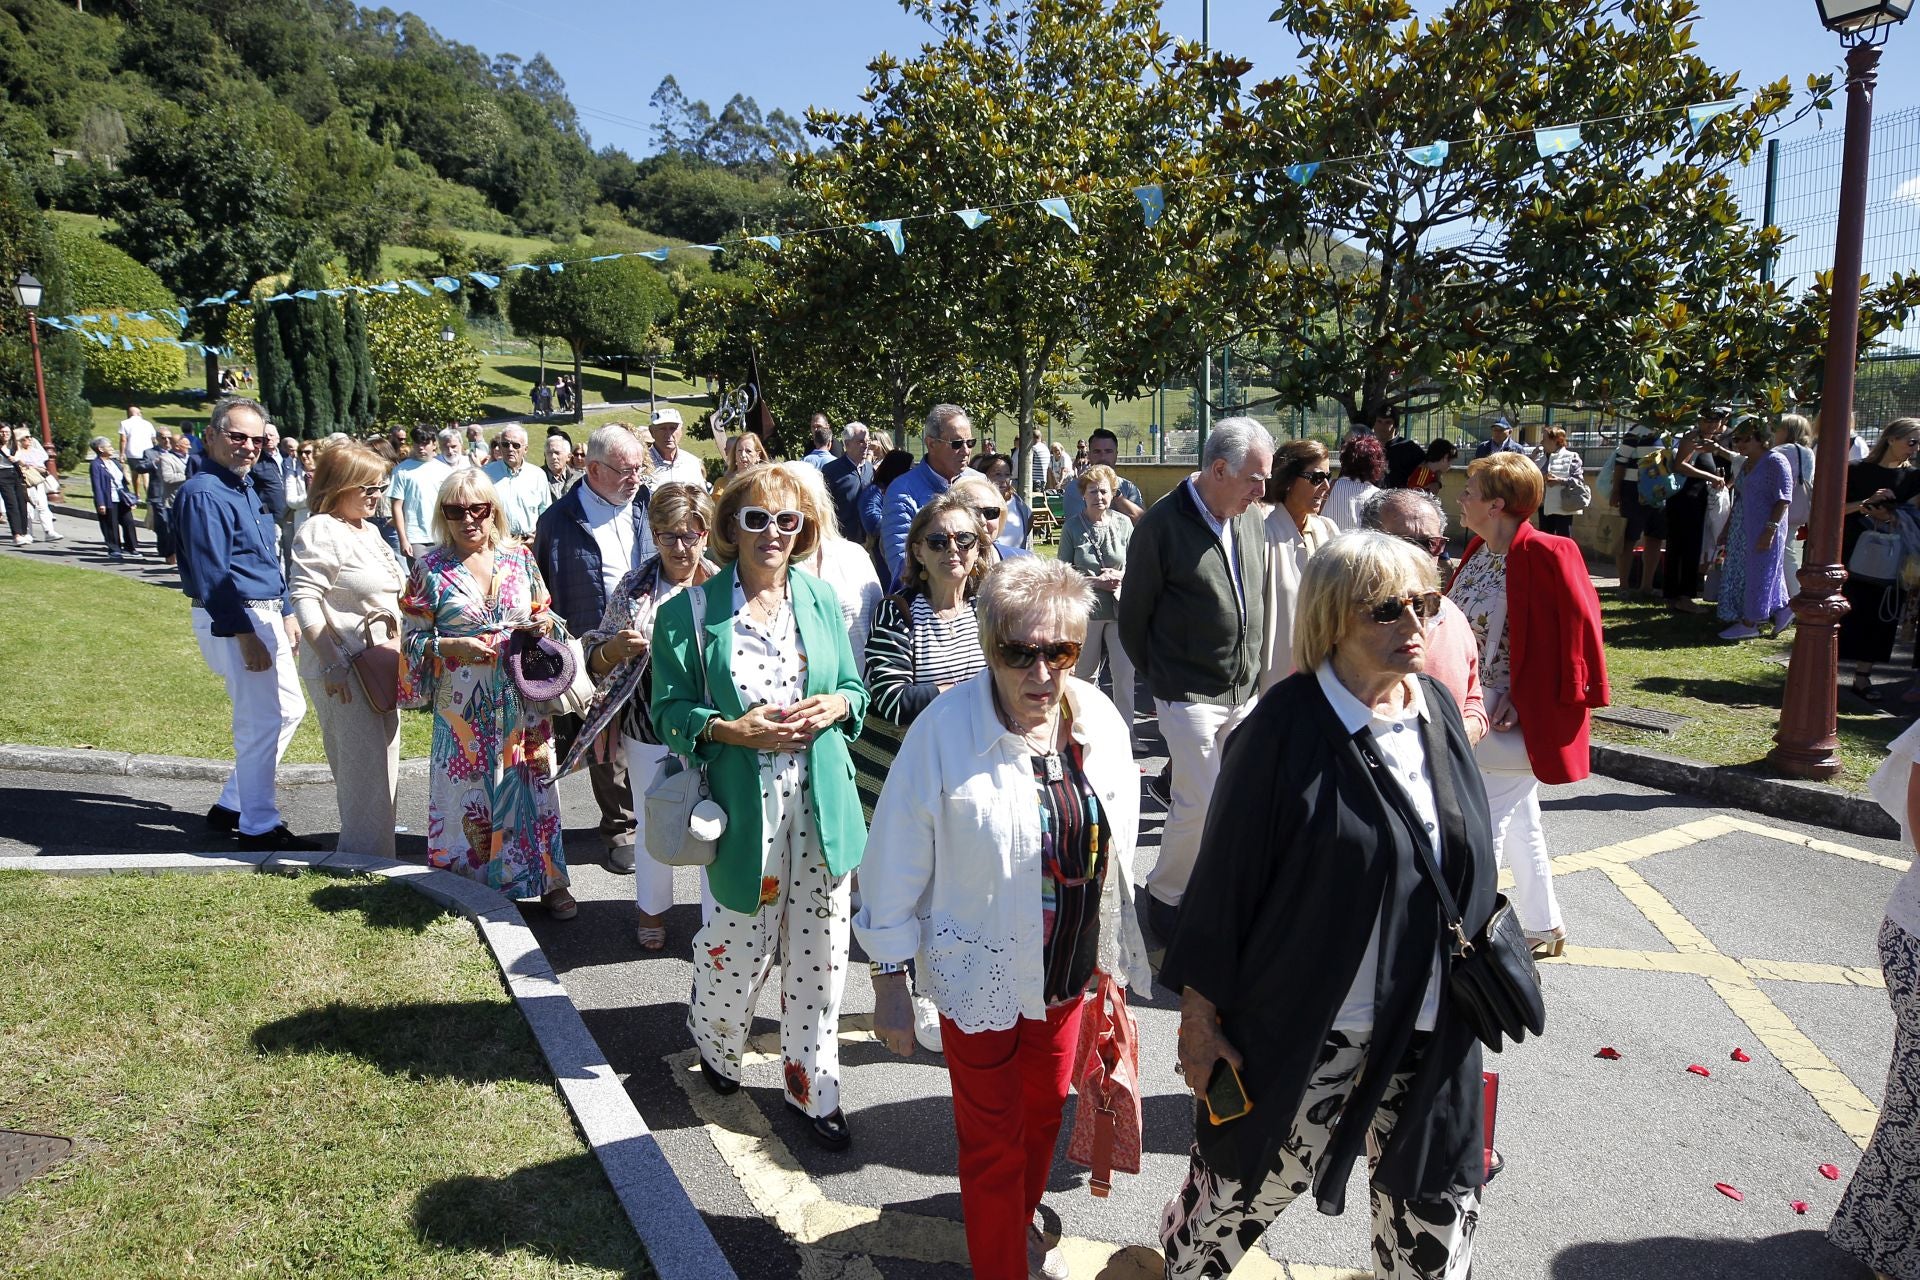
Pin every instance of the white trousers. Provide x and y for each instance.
(267, 707)
(803, 919)
(1103, 638)
(1513, 803)
(40, 512)
(652, 881)
(363, 750)
(1195, 732)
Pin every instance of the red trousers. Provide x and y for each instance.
(1008, 1089)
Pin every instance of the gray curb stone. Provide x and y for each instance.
(1809, 802)
(122, 764)
(679, 1244)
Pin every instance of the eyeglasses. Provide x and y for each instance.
(960, 446)
(240, 439)
(513, 444)
(1435, 546)
(989, 513)
(941, 541)
(1058, 656)
(756, 520)
(681, 539)
(1387, 612)
(472, 511)
(373, 490)
(625, 473)
(1317, 477)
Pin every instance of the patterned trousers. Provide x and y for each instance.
(1878, 1221)
(803, 919)
(1206, 1230)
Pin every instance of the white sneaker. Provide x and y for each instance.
(1043, 1263)
(926, 1024)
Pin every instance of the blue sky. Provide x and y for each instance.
(613, 53)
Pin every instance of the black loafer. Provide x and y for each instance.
(717, 1082)
(278, 840)
(221, 818)
(830, 1132)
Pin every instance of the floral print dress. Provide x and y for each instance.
(492, 814)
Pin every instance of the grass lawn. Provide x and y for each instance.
(112, 664)
(275, 1077)
(1671, 662)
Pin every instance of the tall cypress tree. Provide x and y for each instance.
(277, 390)
(364, 404)
(303, 335)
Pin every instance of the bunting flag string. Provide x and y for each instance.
(1550, 143)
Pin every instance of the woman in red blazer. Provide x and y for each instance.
(1534, 611)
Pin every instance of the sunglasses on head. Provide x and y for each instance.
(941, 541)
(457, 514)
(756, 520)
(1424, 605)
(1058, 656)
(1435, 546)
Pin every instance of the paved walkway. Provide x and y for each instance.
(1697, 932)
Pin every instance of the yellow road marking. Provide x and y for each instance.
(1837, 1096)
(1832, 975)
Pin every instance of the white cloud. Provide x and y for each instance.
(1908, 192)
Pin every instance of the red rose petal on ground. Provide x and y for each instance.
(1831, 1172)
(1699, 1070)
(1799, 1206)
(1740, 1055)
(1729, 1191)
(1610, 1053)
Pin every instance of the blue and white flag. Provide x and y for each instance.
(972, 217)
(555, 268)
(705, 248)
(890, 228)
(656, 255)
(483, 279)
(311, 295)
(1432, 156)
(1153, 203)
(1557, 142)
(1056, 207)
(772, 242)
(1699, 117)
(446, 284)
(1301, 174)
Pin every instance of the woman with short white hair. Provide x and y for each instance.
(845, 566)
(984, 496)
(1001, 862)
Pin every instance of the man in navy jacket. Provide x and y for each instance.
(584, 544)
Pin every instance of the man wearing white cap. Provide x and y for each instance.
(671, 463)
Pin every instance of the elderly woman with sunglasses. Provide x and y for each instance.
(345, 591)
(618, 658)
(1296, 492)
(753, 676)
(1536, 617)
(987, 503)
(492, 812)
(1311, 957)
(1001, 863)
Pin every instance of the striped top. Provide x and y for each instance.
(1073, 847)
(911, 653)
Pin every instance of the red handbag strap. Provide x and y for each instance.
(1100, 1174)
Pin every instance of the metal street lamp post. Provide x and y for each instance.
(27, 292)
(1807, 742)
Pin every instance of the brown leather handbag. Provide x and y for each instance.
(377, 665)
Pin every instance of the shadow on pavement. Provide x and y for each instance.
(381, 903)
(1615, 804)
(73, 820)
(533, 1210)
(1801, 1255)
(472, 1040)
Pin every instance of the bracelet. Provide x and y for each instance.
(881, 968)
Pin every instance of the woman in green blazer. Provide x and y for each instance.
(765, 693)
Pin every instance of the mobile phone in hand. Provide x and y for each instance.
(1226, 1096)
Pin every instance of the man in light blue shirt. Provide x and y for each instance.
(522, 490)
(948, 440)
(819, 442)
(1103, 450)
(413, 490)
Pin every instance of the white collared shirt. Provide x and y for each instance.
(684, 469)
(1223, 530)
(612, 529)
(524, 494)
(1399, 740)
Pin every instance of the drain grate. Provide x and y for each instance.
(1642, 718)
(25, 1156)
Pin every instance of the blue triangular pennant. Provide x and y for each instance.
(385, 286)
(1301, 174)
(1432, 156)
(1557, 142)
(1699, 117)
(1057, 208)
(705, 248)
(418, 288)
(310, 295)
(483, 279)
(606, 257)
(655, 255)
(446, 284)
(333, 293)
(555, 268)
(279, 297)
(972, 217)
(772, 242)
(890, 228)
(1153, 203)
(522, 266)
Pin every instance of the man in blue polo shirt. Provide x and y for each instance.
(948, 440)
(241, 620)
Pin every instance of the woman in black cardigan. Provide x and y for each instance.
(1311, 945)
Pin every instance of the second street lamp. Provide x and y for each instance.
(1807, 743)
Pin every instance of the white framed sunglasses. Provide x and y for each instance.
(756, 519)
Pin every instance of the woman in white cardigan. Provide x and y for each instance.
(1295, 530)
(843, 565)
(1000, 861)
(344, 574)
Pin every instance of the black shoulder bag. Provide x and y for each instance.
(1493, 981)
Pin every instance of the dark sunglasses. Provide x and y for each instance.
(239, 439)
(1317, 477)
(1435, 546)
(756, 520)
(1387, 612)
(989, 513)
(1058, 657)
(373, 490)
(472, 511)
(960, 446)
(941, 541)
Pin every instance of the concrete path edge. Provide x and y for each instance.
(1789, 798)
(679, 1244)
(122, 764)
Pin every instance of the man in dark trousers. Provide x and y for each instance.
(584, 544)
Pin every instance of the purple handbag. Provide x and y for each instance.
(541, 667)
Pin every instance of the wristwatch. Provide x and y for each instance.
(881, 968)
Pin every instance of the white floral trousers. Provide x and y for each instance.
(1206, 1229)
(803, 922)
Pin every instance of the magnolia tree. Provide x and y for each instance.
(599, 308)
(1381, 270)
(420, 375)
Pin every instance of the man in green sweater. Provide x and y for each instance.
(1191, 610)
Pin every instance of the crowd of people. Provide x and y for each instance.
(899, 713)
